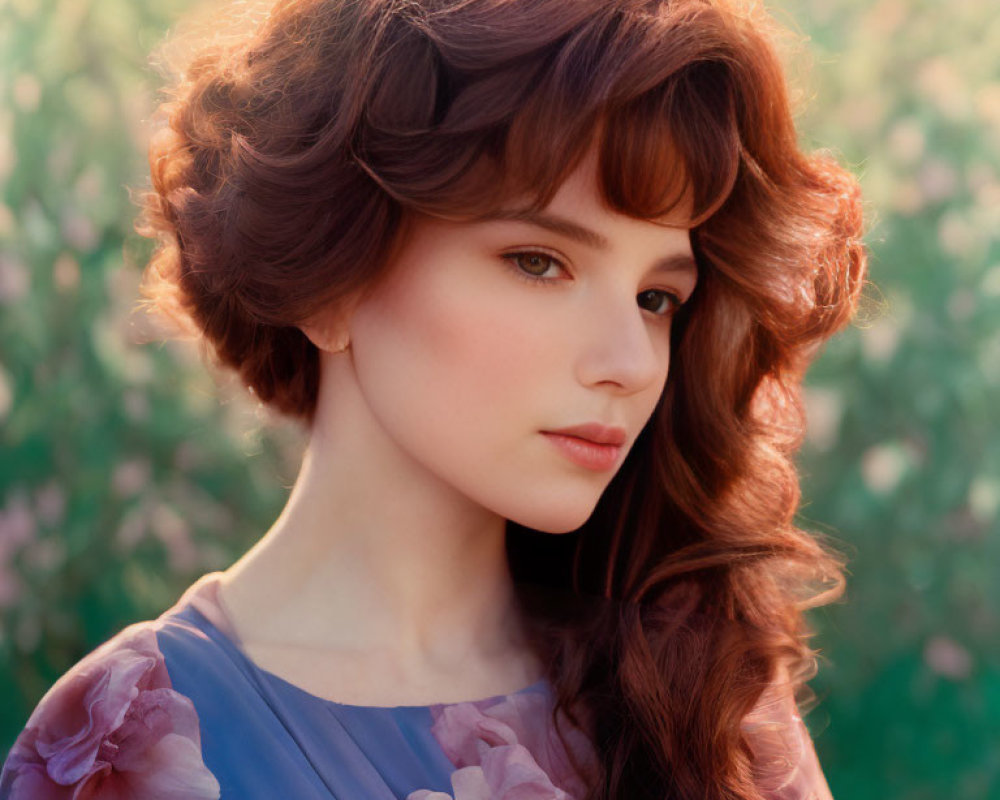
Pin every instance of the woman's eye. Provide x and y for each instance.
(663, 303)
(532, 265)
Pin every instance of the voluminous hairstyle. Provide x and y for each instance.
(288, 164)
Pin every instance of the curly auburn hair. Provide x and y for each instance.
(290, 160)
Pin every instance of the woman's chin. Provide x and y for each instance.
(556, 520)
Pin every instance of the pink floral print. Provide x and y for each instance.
(510, 751)
(507, 751)
(111, 728)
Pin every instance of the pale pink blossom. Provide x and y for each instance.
(508, 751)
(112, 728)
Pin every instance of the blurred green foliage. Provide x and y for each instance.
(903, 461)
(123, 479)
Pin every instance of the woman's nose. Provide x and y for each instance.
(623, 346)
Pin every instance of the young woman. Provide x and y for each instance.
(541, 279)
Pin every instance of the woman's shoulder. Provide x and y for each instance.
(785, 763)
(115, 724)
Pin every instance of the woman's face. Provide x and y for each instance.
(465, 359)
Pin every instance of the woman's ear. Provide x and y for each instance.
(328, 328)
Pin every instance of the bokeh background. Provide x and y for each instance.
(127, 469)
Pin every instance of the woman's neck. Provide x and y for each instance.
(374, 554)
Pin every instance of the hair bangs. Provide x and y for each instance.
(660, 145)
(679, 142)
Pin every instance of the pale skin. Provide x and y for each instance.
(385, 581)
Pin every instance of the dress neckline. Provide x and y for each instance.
(203, 597)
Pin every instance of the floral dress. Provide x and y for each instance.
(173, 709)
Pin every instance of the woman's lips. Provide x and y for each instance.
(586, 453)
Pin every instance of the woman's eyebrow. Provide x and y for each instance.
(552, 222)
(679, 262)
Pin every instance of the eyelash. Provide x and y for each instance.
(511, 259)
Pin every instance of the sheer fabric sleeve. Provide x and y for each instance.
(112, 726)
(785, 763)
